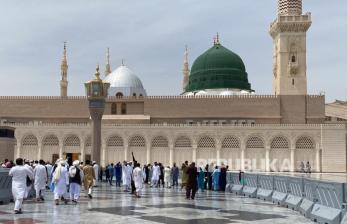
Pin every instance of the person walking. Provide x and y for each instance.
(184, 174)
(138, 180)
(192, 174)
(61, 180)
(155, 175)
(19, 174)
(175, 173)
(40, 180)
(89, 176)
(118, 174)
(167, 176)
(201, 179)
(76, 177)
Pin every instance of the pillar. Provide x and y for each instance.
(18, 153)
(171, 160)
(292, 159)
(267, 158)
(318, 163)
(103, 154)
(195, 147)
(126, 149)
(242, 159)
(148, 155)
(83, 152)
(60, 150)
(39, 150)
(219, 147)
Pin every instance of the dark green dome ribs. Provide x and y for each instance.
(218, 68)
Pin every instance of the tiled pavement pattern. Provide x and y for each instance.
(111, 205)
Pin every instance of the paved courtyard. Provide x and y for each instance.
(111, 205)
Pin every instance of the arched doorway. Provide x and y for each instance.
(115, 149)
(50, 148)
(160, 150)
(230, 152)
(255, 154)
(279, 154)
(29, 147)
(206, 151)
(137, 145)
(183, 150)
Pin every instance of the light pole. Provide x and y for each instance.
(96, 91)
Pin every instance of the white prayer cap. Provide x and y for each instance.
(62, 162)
(76, 163)
(58, 161)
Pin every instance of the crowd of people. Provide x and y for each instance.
(66, 177)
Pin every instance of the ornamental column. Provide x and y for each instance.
(219, 147)
(171, 160)
(18, 153)
(103, 154)
(195, 147)
(242, 159)
(267, 158)
(96, 91)
(292, 158)
(39, 153)
(60, 149)
(126, 149)
(318, 158)
(148, 153)
(83, 152)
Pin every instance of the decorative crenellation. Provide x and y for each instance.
(290, 7)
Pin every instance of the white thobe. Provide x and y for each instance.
(167, 176)
(19, 187)
(138, 180)
(60, 185)
(155, 173)
(124, 175)
(40, 177)
(49, 170)
(96, 171)
(28, 188)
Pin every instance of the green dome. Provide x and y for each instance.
(218, 68)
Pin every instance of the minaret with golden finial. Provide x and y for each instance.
(108, 66)
(64, 67)
(185, 71)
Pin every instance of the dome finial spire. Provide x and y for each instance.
(108, 66)
(97, 73)
(122, 61)
(217, 38)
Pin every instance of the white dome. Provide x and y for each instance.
(123, 77)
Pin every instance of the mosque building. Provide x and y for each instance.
(216, 118)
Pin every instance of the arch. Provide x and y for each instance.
(29, 147)
(231, 142)
(119, 94)
(183, 142)
(255, 154)
(160, 141)
(279, 154)
(50, 146)
(279, 142)
(206, 152)
(304, 142)
(115, 149)
(230, 153)
(72, 140)
(115, 141)
(305, 152)
(137, 141)
(254, 142)
(30, 140)
(137, 145)
(183, 150)
(206, 142)
(124, 108)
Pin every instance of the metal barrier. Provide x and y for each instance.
(5, 186)
(265, 187)
(280, 192)
(250, 185)
(321, 201)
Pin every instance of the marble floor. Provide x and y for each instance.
(111, 205)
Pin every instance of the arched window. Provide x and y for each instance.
(279, 143)
(30, 140)
(137, 141)
(231, 143)
(119, 94)
(72, 140)
(124, 108)
(114, 108)
(88, 141)
(293, 59)
(160, 141)
(115, 141)
(304, 143)
(206, 142)
(183, 142)
(255, 142)
(134, 94)
(140, 95)
(50, 140)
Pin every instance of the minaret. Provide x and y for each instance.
(63, 68)
(108, 66)
(289, 57)
(185, 71)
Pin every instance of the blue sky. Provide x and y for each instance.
(150, 36)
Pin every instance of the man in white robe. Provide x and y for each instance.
(155, 175)
(138, 180)
(129, 175)
(29, 186)
(19, 175)
(125, 177)
(61, 180)
(76, 177)
(40, 177)
(96, 171)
